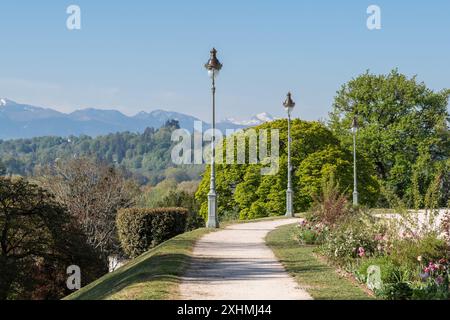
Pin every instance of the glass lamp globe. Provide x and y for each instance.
(289, 110)
(289, 104)
(213, 73)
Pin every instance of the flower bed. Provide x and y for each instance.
(395, 265)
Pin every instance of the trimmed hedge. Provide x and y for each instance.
(141, 229)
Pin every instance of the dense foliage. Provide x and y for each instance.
(146, 155)
(92, 192)
(151, 196)
(316, 155)
(140, 229)
(184, 199)
(39, 241)
(403, 131)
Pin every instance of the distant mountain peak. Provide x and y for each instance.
(253, 121)
(265, 117)
(4, 102)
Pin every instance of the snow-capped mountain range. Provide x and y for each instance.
(26, 121)
(254, 121)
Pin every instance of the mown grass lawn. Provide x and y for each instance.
(155, 275)
(320, 280)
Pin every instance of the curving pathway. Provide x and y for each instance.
(236, 264)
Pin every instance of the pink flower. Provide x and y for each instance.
(433, 266)
(361, 252)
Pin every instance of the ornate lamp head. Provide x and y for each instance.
(289, 104)
(213, 65)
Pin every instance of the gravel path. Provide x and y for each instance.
(236, 264)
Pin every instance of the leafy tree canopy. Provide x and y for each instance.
(38, 242)
(403, 127)
(316, 153)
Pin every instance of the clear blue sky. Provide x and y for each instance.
(143, 55)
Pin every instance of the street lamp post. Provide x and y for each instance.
(355, 180)
(213, 66)
(289, 105)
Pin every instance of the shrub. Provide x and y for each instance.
(331, 205)
(386, 265)
(141, 229)
(428, 248)
(311, 233)
(396, 291)
(355, 238)
(394, 279)
(257, 210)
(230, 215)
(183, 199)
(429, 291)
(167, 223)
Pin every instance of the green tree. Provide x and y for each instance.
(245, 194)
(315, 155)
(320, 166)
(38, 241)
(402, 122)
(227, 179)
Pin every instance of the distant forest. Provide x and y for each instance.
(145, 156)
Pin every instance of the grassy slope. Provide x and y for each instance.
(154, 275)
(320, 280)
